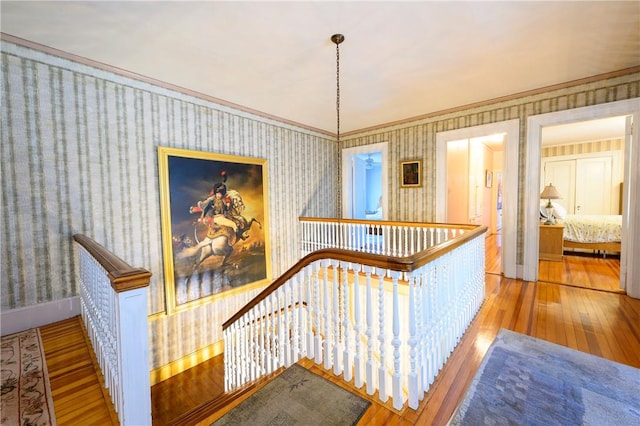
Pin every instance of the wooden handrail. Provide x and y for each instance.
(123, 277)
(402, 264)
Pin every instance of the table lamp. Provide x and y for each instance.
(550, 193)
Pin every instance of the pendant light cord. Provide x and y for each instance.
(338, 92)
(337, 39)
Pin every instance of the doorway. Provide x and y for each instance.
(509, 183)
(364, 171)
(474, 190)
(584, 162)
(629, 272)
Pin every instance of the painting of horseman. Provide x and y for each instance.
(214, 223)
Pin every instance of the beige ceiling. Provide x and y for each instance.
(399, 59)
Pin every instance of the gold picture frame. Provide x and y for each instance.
(215, 225)
(411, 173)
(488, 178)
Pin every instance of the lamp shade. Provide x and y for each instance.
(550, 193)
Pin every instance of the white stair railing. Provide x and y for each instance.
(390, 324)
(396, 239)
(113, 299)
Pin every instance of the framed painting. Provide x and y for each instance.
(411, 173)
(488, 179)
(215, 227)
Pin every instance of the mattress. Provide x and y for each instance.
(592, 228)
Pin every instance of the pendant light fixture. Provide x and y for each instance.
(337, 39)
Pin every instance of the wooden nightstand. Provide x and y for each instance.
(551, 242)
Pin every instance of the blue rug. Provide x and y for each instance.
(528, 381)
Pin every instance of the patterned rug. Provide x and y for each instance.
(26, 394)
(298, 397)
(527, 381)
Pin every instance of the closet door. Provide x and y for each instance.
(584, 183)
(593, 186)
(562, 174)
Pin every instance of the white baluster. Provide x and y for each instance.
(412, 242)
(393, 241)
(344, 236)
(263, 334)
(337, 347)
(318, 311)
(346, 325)
(357, 361)
(326, 317)
(324, 238)
(421, 326)
(286, 300)
(382, 374)
(407, 240)
(413, 369)
(251, 346)
(225, 356)
(300, 343)
(236, 354)
(281, 327)
(273, 335)
(396, 342)
(311, 311)
(243, 352)
(369, 306)
(429, 303)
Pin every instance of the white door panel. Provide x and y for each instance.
(585, 184)
(593, 186)
(562, 174)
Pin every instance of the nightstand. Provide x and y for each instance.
(551, 242)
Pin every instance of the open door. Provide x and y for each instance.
(508, 185)
(364, 173)
(629, 269)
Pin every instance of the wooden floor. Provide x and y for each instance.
(78, 394)
(578, 269)
(603, 323)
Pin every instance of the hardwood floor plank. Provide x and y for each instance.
(76, 383)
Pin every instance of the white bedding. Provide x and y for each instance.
(592, 228)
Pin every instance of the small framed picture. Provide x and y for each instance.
(411, 173)
(488, 179)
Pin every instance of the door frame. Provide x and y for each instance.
(511, 128)
(629, 272)
(347, 175)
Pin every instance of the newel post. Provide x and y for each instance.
(134, 356)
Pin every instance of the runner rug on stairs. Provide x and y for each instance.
(26, 393)
(524, 380)
(298, 397)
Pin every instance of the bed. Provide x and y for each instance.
(592, 232)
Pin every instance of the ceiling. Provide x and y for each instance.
(399, 59)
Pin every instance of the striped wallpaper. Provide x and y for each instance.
(417, 140)
(584, 147)
(79, 155)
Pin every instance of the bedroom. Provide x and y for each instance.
(584, 164)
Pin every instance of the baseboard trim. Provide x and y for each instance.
(186, 362)
(20, 319)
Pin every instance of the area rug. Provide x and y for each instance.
(298, 397)
(528, 381)
(26, 394)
